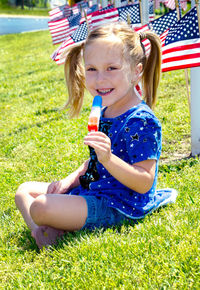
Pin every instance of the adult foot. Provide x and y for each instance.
(46, 236)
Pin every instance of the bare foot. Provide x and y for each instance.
(46, 236)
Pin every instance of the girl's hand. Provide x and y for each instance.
(101, 144)
(58, 187)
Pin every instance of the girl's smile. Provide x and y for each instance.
(104, 92)
(109, 75)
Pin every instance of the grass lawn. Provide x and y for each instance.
(39, 142)
(26, 11)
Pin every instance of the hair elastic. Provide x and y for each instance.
(142, 35)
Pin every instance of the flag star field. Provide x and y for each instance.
(164, 22)
(187, 28)
(132, 10)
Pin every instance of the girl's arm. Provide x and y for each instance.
(138, 177)
(69, 182)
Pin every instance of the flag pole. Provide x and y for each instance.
(86, 20)
(177, 9)
(128, 19)
(185, 70)
(195, 100)
(187, 87)
(140, 4)
(144, 11)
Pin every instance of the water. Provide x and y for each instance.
(22, 24)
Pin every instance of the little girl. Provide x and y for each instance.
(121, 184)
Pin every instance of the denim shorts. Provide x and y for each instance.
(100, 215)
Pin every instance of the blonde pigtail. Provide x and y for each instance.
(152, 68)
(75, 80)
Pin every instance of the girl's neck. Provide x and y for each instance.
(113, 112)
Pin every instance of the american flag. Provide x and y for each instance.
(181, 48)
(151, 10)
(83, 5)
(133, 11)
(105, 16)
(159, 26)
(171, 4)
(75, 9)
(94, 20)
(183, 4)
(92, 9)
(78, 36)
(110, 6)
(67, 11)
(63, 28)
(56, 14)
(60, 12)
(180, 40)
(162, 23)
(157, 4)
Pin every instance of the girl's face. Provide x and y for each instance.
(109, 75)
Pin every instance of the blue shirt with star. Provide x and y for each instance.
(135, 136)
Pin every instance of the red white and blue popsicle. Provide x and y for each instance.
(93, 122)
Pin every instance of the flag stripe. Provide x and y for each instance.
(57, 30)
(186, 55)
(61, 37)
(183, 65)
(181, 45)
(57, 22)
(63, 32)
(181, 48)
(102, 17)
(106, 16)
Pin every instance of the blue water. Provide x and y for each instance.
(16, 25)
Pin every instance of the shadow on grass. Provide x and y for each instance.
(27, 243)
(47, 111)
(179, 164)
(37, 124)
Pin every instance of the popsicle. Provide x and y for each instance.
(93, 122)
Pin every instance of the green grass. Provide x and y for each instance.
(26, 11)
(39, 142)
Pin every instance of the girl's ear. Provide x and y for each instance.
(137, 72)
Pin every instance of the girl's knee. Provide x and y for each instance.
(21, 192)
(39, 209)
(23, 188)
